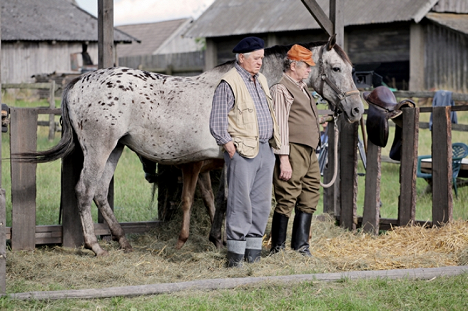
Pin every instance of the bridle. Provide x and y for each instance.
(324, 79)
(337, 109)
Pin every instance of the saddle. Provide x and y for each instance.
(382, 107)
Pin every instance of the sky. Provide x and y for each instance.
(146, 11)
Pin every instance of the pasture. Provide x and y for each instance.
(155, 259)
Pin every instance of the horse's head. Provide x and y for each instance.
(332, 78)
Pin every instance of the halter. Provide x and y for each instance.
(324, 78)
(336, 110)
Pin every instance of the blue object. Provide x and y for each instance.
(443, 98)
(459, 151)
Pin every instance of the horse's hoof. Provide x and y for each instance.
(101, 253)
(128, 249)
(217, 242)
(180, 244)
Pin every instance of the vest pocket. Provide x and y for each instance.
(245, 116)
(246, 147)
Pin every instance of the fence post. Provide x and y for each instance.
(371, 213)
(442, 197)
(23, 138)
(348, 173)
(52, 106)
(408, 166)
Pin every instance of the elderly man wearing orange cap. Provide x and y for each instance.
(296, 178)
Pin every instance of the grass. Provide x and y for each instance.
(446, 293)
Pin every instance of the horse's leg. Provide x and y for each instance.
(100, 198)
(190, 173)
(93, 167)
(221, 205)
(149, 167)
(204, 184)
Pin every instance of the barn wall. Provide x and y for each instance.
(446, 55)
(21, 60)
(383, 47)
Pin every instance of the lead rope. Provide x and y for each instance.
(335, 171)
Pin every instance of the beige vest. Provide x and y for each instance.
(303, 126)
(242, 119)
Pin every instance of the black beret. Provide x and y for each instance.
(249, 44)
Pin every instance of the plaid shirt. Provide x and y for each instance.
(223, 102)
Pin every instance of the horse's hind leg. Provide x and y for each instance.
(93, 167)
(100, 198)
(221, 205)
(204, 184)
(190, 173)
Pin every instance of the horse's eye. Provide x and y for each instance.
(336, 69)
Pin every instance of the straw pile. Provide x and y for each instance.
(155, 259)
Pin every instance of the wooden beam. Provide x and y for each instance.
(408, 165)
(336, 17)
(23, 178)
(348, 158)
(2, 206)
(317, 12)
(105, 33)
(53, 234)
(217, 284)
(442, 199)
(371, 213)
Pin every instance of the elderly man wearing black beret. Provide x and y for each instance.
(243, 122)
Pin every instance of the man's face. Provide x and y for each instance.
(303, 70)
(252, 62)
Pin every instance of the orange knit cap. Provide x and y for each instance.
(300, 53)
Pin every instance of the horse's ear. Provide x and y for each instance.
(331, 42)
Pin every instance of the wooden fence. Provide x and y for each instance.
(39, 86)
(24, 234)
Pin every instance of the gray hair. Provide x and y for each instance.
(246, 55)
(287, 63)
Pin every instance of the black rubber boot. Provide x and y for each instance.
(279, 227)
(234, 259)
(252, 255)
(300, 233)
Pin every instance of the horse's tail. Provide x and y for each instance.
(66, 144)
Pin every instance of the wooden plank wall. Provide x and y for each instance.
(21, 60)
(446, 55)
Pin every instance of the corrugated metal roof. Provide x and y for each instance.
(240, 17)
(458, 22)
(152, 36)
(44, 20)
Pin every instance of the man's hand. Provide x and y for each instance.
(285, 168)
(230, 148)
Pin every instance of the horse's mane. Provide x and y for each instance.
(281, 50)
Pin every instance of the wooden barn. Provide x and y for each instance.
(411, 44)
(48, 36)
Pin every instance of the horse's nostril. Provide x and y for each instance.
(356, 111)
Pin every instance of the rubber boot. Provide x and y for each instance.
(253, 248)
(279, 227)
(300, 233)
(252, 255)
(235, 254)
(234, 259)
